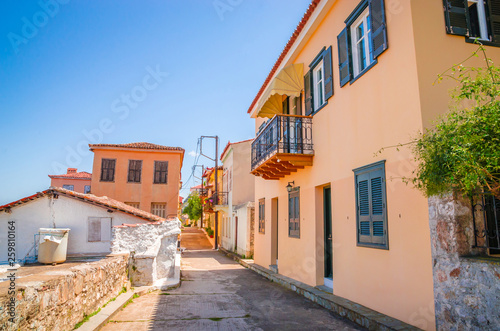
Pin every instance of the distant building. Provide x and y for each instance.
(142, 175)
(72, 180)
(236, 209)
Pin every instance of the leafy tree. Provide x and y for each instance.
(462, 153)
(193, 207)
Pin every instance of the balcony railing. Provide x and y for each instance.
(287, 134)
(219, 199)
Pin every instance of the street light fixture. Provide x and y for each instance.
(290, 186)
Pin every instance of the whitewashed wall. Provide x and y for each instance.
(62, 212)
(243, 213)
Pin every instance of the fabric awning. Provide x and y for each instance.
(289, 81)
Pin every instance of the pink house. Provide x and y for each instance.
(72, 180)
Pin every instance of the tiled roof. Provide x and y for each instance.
(289, 44)
(139, 145)
(74, 175)
(89, 198)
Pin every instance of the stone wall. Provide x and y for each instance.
(59, 302)
(466, 280)
(152, 249)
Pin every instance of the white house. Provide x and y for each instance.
(237, 215)
(89, 218)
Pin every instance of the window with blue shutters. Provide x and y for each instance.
(362, 41)
(474, 19)
(294, 213)
(318, 82)
(371, 206)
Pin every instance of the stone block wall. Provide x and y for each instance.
(466, 280)
(59, 302)
(152, 249)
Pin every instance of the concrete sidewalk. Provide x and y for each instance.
(219, 294)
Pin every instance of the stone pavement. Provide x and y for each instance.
(219, 294)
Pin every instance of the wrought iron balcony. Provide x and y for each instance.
(219, 199)
(283, 146)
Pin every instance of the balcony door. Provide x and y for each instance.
(292, 126)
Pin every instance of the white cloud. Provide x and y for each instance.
(193, 154)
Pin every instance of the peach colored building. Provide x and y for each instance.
(142, 175)
(72, 180)
(356, 76)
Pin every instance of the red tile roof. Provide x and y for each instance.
(74, 175)
(89, 198)
(288, 46)
(139, 145)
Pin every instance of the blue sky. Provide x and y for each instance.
(192, 66)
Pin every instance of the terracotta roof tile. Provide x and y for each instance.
(139, 145)
(288, 46)
(74, 175)
(89, 198)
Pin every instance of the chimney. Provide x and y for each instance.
(71, 170)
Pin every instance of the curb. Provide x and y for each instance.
(361, 315)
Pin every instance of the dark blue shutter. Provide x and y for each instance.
(456, 18)
(363, 192)
(308, 91)
(378, 27)
(344, 57)
(371, 206)
(327, 64)
(494, 16)
(377, 192)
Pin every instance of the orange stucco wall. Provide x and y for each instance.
(145, 192)
(79, 184)
(388, 105)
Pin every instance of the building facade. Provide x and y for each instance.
(333, 211)
(213, 197)
(142, 175)
(72, 180)
(238, 215)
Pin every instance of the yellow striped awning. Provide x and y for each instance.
(289, 81)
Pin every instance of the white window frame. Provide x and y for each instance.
(481, 13)
(362, 19)
(318, 98)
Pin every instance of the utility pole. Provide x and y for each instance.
(201, 192)
(216, 246)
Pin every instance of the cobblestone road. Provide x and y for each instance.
(219, 294)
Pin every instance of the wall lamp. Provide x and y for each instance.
(290, 186)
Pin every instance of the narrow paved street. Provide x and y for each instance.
(219, 294)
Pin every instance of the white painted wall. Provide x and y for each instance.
(243, 214)
(62, 212)
(241, 192)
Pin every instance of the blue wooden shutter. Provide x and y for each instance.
(456, 18)
(327, 64)
(308, 91)
(378, 28)
(493, 8)
(344, 57)
(363, 192)
(371, 206)
(377, 207)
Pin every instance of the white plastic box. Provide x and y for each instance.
(53, 245)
